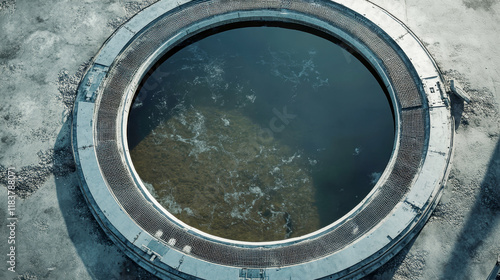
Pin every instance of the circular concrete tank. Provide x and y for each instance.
(353, 246)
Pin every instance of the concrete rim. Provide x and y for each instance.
(357, 258)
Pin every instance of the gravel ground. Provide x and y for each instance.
(45, 48)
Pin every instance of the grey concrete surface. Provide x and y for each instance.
(44, 47)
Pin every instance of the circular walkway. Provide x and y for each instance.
(381, 225)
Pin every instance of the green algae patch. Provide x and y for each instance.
(216, 171)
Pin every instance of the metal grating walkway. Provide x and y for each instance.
(119, 180)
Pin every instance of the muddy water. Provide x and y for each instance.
(260, 133)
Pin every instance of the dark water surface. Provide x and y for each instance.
(260, 133)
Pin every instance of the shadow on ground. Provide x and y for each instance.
(101, 258)
(457, 110)
(480, 224)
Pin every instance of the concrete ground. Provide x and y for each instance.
(44, 49)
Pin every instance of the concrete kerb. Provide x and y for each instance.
(358, 258)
